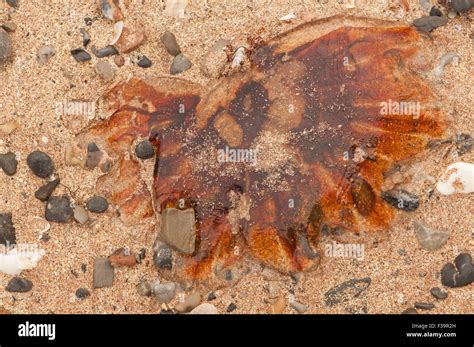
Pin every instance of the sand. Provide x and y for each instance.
(30, 93)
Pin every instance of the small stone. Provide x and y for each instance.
(111, 10)
(436, 12)
(82, 293)
(105, 70)
(169, 41)
(401, 199)
(7, 230)
(145, 150)
(164, 292)
(452, 14)
(214, 62)
(8, 163)
(231, 308)
(94, 156)
(5, 46)
(144, 288)
(19, 285)
(163, 258)
(211, 296)
(80, 55)
(464, 143)
(278, 307)
(429, 23)
(410, 310)
(119, 61)
(130, 40)
(179, 229)
(424, 306)
(346, 291)
(180, 64)
(144, 62)
(105, 52)
(462, 5)
(97, 204)
(45, 192)
(438, 293)
(191, 302)
(459, 275)
(81, 215)
(44, 53)
(9, 27)
(122, 257)
(103, 273)
(429, 238)
(205, 308)
(141, 255)
(13, 3)
(86, 38)
(300, 308)
(41, 164)
(58, 209)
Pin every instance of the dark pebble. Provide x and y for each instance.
(211, 296)
(435, 12)
(459, 275)
(145, 150)
(462, 5)
(45, 192)
(464, 143)
(13, 3)
(169, 41)
(19, 285)
(94, 156)
(82, 293)
(80, 55)
(424, 306)
(410, 310)
(401, 199)
(86, 38)
(97, 204)
(163, 258)
(144, 62)
(232, 307)
(107, 51)
(88, 21)
(7, 230)
(429, 23)
(8, 163)
(141, 255)
(58, 209)
(180, 64)
(41, 164)
(438, 293)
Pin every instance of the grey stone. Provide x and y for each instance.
(94, 156)
(435, 12)
(107, 51)
(464, 143)
(169, 41)
(145, 150)
(103, 273)
(13, 3)
(462, 5)
(8, 163)
(401, 199)
(40, 163)
(81, 215)
(459, 275)
(144, 62)
(178, 229)
(424, 306)
(105, 71)
(97, 204)
(438, 293)
(58, 209)
(299, 307)
(44, 53)
(429, 23)
(86, 37)
(19, 285)
(144, 288)
(163, 258)
(7, 230)
(430, 239)
(164, 292)
(80, 55)
(45, 192)
(180, 64)
(82, 293)
(5, 46)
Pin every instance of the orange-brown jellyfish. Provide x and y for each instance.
(270, 156)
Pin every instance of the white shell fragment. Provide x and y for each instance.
(13, 261)
(458, 178)
(239, 58)
(175, 8)
(288, 18)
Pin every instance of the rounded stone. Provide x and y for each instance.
(40, 164)
(144, 150)
(97, 204)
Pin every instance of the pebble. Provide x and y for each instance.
(179, 229)
(122, 257)
(97, 204)
(111, 10)
(401, 199)
(231, 308)
(438, 293)
(346, 291)
(211, 296)
(45, 192)
(105, 52)
(5, 46)
(205, 308)
(410, 310)
(144, 288)
(452, 14)
(278, 307)
(429, 23)
(119, 61)
(58, 209)
(424, 306)
(144, 62)
(164, 292)
(169, 41)
(130, 40)
(94, 156)
(460, 274)
(299, 307)
(462, 5)
(180, 64)
(19, 285)
(191, 302)
(7, 230)
(436, 12)
(8, 163)
(215, 60)
(81, 215)
(464, 143)
(80, 55)
(105, 70)
(458, 178)
(40, 163)
(145, 150)
(86, 38)
(175, 8)
(103, 273)
(82, 293)
(44, 53)
(13, 3)
(163, 258)
(430, 239)
(9, 27)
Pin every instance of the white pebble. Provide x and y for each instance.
(458, 178)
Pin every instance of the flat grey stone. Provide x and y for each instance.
(430, 239)
(178, 229)
(103, 273)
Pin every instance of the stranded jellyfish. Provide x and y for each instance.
(255, 167)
